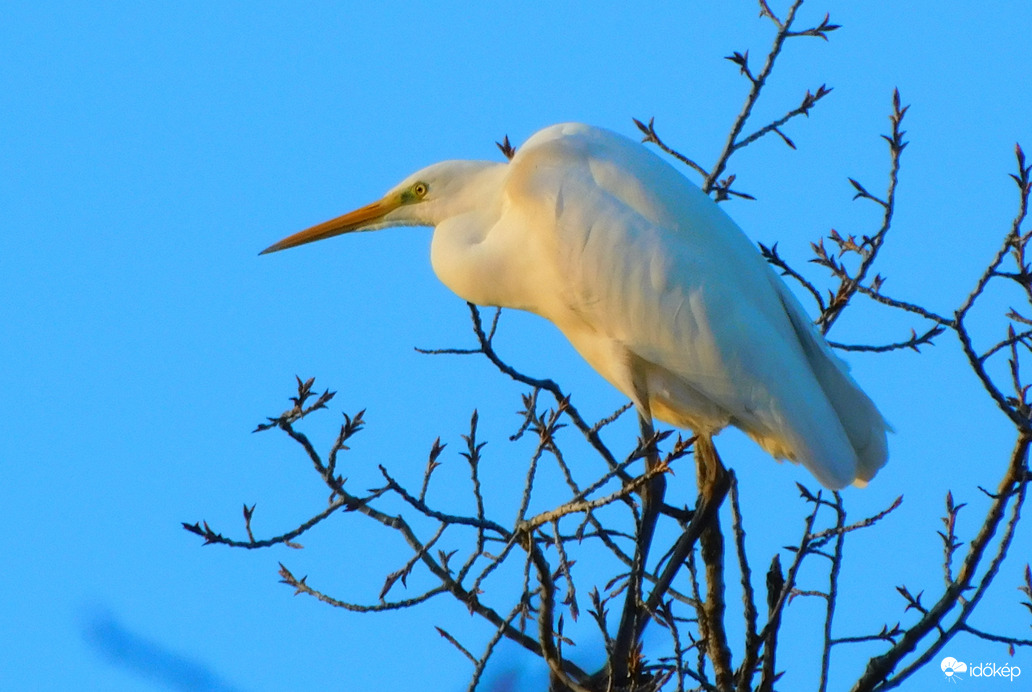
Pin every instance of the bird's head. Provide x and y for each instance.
(423, 199)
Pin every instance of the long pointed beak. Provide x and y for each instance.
(352, 221)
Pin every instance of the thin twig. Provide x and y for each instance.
(750, 100)
(833, 577)
(747, 668)
(849, 286)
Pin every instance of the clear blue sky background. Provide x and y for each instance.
(149, 151)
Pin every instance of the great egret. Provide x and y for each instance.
(652, 283)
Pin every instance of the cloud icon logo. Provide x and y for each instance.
(951, 666)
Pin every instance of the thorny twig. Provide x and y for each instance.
(868, 248)
(735, 141)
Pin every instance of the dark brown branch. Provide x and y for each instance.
(912, 343)
(546, 618)
(1013, 237)
(803, 109)
(779, 591)
(949, 537)
(879, 668)
(478, 671)
(744, 674)
(590, 433)
(211, 536)
(887, 634)
(850, 286)
(757, 82)
(713, 480)
(989, 637)
(580, 505)
(969, 603)
(651, 136)
(840, 531)
(820, 537)
(300, 408)
(424, 509)
(879, 297)
(455, 642)
(771, 255)
(978, 365)
(301, 586)
(403, 573)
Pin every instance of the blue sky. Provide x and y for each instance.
(148, 152)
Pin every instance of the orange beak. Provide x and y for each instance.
(352, 221)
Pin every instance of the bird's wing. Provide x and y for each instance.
(649, 262)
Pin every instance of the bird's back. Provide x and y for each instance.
(657, 283)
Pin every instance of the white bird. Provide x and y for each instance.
(651, 282)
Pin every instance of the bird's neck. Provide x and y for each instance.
(471, 253)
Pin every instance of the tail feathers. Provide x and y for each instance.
(861, 421)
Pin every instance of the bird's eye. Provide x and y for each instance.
(420, 189)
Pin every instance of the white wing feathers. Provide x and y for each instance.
(651, 266)
(863, 423)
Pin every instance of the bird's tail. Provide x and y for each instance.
(863, 424)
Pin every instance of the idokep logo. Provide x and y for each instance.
(952, 667)
(954, 670)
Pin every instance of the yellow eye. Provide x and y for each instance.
(420, 189)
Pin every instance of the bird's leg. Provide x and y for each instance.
(704, 528)
(713, 482)
(652, 493)
(716, 484)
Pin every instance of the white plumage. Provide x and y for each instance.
(652, 283)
